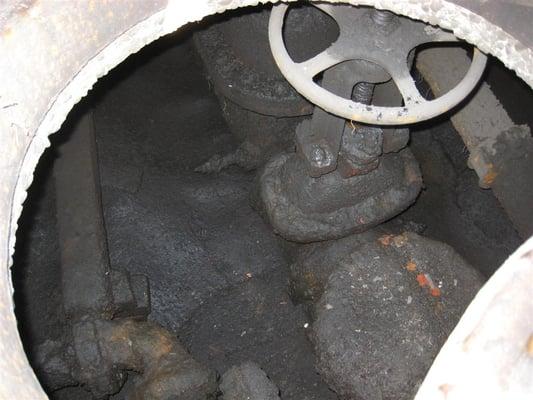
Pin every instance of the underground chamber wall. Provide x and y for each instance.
(218, 273)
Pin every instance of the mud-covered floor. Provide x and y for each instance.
(218, 273)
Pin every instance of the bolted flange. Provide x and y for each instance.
(304, 209)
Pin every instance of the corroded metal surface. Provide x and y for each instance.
(501, 153)
(106, 350)
(304, 209)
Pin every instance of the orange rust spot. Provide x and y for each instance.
(400, 240)
(385, 240)
(411, 266)
(490, 176)
(422, 280)
(435, 292)
(529, 345)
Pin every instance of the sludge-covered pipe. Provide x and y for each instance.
(101, 352)
(106, 309)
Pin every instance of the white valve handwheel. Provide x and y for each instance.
(416, 108)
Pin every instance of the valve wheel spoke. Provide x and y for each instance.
(322, 61)
(406, 85)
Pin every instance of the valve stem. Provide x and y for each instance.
(362, 92)
(382, 17)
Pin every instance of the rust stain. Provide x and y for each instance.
(529, 345)
(156, 341)
(528, 255)
(385, 240)
(7, 32)
(120, 334)
(400, 240)
(163, 345)
(411, 266)
(490, 176)
(445, 388)
(422, 280)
